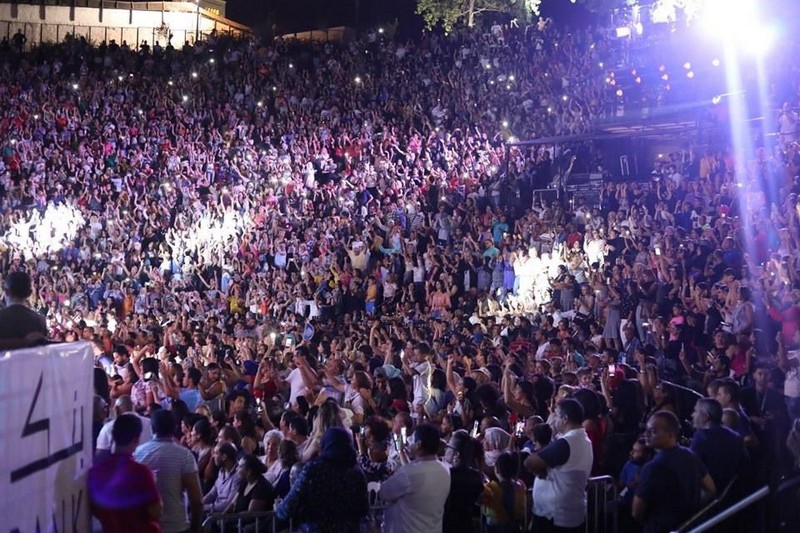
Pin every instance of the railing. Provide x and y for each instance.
(777, 522)
(267, 522)
(603, 505)
(262, 521)
(714, 505)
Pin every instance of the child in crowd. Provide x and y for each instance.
(629, 479)
(505, 500)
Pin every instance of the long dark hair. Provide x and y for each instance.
(397, 388)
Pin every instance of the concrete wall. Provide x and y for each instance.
(51, 23)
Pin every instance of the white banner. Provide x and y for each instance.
(46, 438)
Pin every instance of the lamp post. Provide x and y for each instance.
(197, 22)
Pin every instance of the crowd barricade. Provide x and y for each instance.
(374, 521)
(267, 522)
(261, 522)
(603, 505)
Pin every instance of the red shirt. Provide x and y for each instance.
(120, 490)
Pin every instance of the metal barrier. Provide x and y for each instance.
(603, 505)
(267, 522)
(779, 522)
(715, 505)
(262, 521)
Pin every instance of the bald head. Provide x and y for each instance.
(124, 404)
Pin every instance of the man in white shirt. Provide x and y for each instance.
(417, 491)
(123, 405)
(226, 487)
(562, 469)
(175, 470)
(300, 377)
(420, 369)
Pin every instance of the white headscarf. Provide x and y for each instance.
(495, 442)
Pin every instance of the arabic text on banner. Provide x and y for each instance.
(45, 438)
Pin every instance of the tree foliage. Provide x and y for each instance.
(449, 13)
(605, 7)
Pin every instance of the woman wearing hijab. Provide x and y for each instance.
(495, 442)
(330, 494)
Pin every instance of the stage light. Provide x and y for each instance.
(211, 60)
(357, 79)
(716, 100)
(75, 86)
(760, 41)
(194, 74)
(601, 64)
(119, 78)
(687, 66)
(169, 83)
(565, 98)
(623, 32)
(633, 72)
(665, 77)
(380, 30)
(690, 74)
(715, 62)
(738, 23)
(185, 98)
(260, 103)
(619, 92)
(638, 79)
(511, 77)
(505, 123)
(291, 65)
(728, 18)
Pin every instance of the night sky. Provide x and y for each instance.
(296, 15)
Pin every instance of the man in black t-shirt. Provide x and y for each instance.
(674, 485)
(19, 325)
(720, 448)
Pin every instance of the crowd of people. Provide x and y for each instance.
(317, 282)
